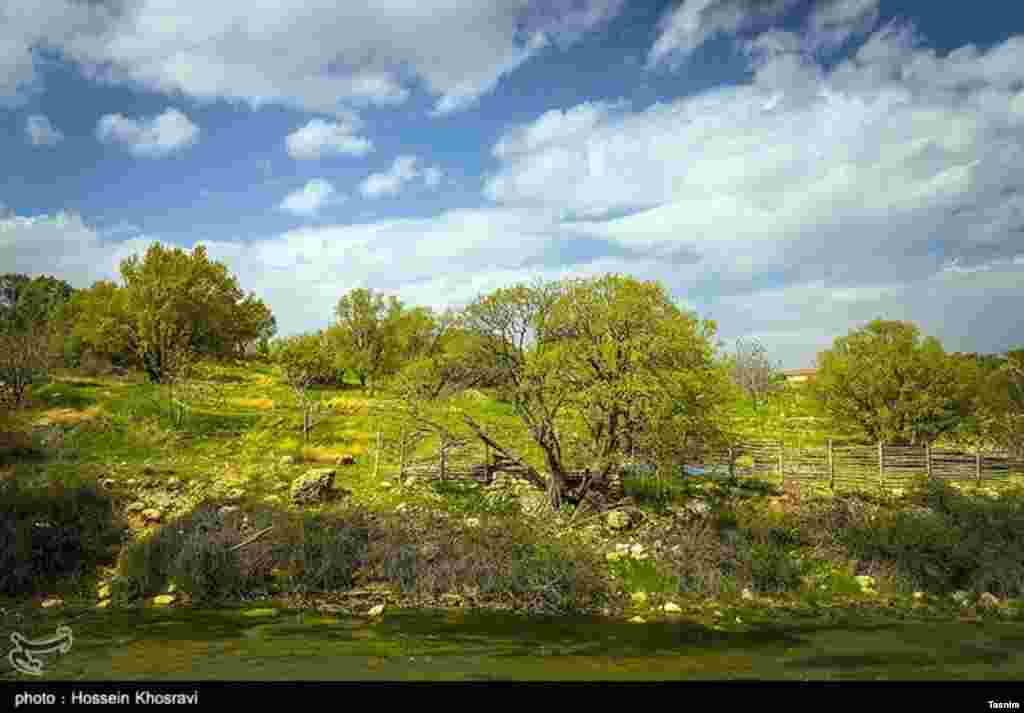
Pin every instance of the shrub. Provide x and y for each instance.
(331, 551)
(950, 541)
(207, 568)
(47, 536)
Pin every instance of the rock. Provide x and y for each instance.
(103, 592)
(174, 483)
(987, 600)
(918, 596)
(103, 604)
(411, 481)
(401, 507)
(152, 515)
(346, 460)
(227, 509)
(638, 620)
(698, 508)
(639, 597)
(386, 485)
(618, 520)
(672, 608)
(867, 583)
(472, 522)
(137, 506)
(429, 551)
(108, 483)
(747, 595)
(163, 600)
(52, 602)
(613, 556)
(147, 470)
(316, 486)
(288, 460)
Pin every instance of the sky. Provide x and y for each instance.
(791, 169)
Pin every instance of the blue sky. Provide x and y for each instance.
(789, 168)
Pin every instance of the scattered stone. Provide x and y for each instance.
(867, 583)
(130, 482)
(103, 604)
(288, 460)
(386, 485)
(618, 520)
(152, 515)
(987, 600)
(401, 507)
(638, 620)
(411, 481)
(698, 508)
(103, 592)
(316, 486)
(747, 595)
(613, 556)
(52, 602)
(639, 597)
(346, 459)
(163, 600)
(429, 551)
(147, 470)
(672, 608)
(108, 483)
(137, 506)
(174, 483)
(472, 522)
(228, 509)
(918, 596)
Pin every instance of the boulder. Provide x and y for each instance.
(316, 486)
(137, 506)
(639, 597)
(672, 608)
(472, 522)
(618, 520)
(376, 611)
(987, 600)
(152, 515)
(52, 602)
(638, 620)
(163, 600)
(346, 460)
(747, 595)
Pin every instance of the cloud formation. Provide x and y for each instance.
(314, 55)
(321, 138)
(41, 132)
(307, 201)
(390, 182)
(154, 137)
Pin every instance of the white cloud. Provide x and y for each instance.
(314, 55)
(154, 137)
(321, 138)
(693, 22)
(391, 181)
(432, 176)
(41, 132)
(308, 200)
(832, 23)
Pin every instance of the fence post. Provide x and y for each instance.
(401, 457)
(376, 460)
(831, 468)
(928, 458)
(881, 463)
(442, 459)
(977, 464)
(732, 464)
(782, 471)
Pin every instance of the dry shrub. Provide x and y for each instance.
(696, 555)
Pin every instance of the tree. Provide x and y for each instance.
(367, 333)
(25, 358)
(891, 384)
(753, 372)
(595, 368)
(998, 418)
(303, 359)
(172, 301)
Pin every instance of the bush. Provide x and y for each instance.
(950, 541)
(331, 552)
(48, 536)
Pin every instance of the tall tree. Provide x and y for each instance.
(753, 371)
(893, 385)
(594, 368)
(366, 334)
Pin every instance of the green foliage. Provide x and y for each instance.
(207, 569)
(331, 552)
(643, 575)
(951, 541)
(469, 498)
(884, 380)
(45, 536)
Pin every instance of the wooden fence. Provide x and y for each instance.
(865, 465)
